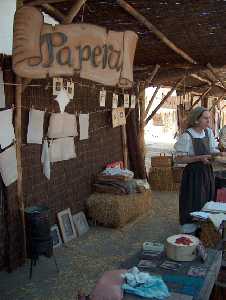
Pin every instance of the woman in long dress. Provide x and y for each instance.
(195, 148)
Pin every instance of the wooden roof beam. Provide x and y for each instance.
(152, 76)
(74, 11)
(201, 78)
(218, 100)
(40, 2)
(210, 67)
(203, 95)
(164, 99)
(52, 11)
(154, 30)
(151, 101)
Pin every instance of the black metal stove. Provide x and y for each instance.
(38, 237)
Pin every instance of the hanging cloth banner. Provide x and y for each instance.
(41, 50)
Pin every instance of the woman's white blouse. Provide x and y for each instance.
(184, 144)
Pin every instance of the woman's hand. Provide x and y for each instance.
(222, 154)
(205, 158)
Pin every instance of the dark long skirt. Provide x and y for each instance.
(197, 187)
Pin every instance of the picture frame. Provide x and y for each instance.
(80, 223)
(58, 84)
(56, 237)
(66, 225)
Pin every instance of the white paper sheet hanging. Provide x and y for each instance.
(7, 134)
(62, 99)
(2, 91)
(35, 127)
(84, 126)
(115, 100)
(45, 159)
(62, 149)
(8, 165)
(62, 125)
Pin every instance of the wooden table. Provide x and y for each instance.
(203, 291)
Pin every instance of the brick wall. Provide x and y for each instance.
(71, 181)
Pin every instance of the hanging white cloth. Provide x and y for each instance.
(2, 91)
(8, 165)
(7, 134)
(35, 127)
(45, 159)
(84, 126)
(62, 149)
(62, 99)
(62, 125)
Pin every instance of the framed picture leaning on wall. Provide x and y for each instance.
(80, 223)
(55, 234)
(66, 225)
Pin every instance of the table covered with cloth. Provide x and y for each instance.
(181, 285)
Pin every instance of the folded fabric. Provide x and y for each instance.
(2, 92)
(144, 285)
(45, 159)
(62, 125)
(35, 126)
(8, 165)
(62, 149)
(217, 219)
(7, 134)
(109, 286)
(84, 126)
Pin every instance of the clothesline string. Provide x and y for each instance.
(50, 112)
(46, 86)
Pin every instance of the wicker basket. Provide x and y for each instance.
(161, 161)
(209, 236)
(161, 179)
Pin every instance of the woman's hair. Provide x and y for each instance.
(194, 116)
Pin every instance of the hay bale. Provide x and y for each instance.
(117, 210)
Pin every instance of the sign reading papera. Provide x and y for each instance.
(91, 51)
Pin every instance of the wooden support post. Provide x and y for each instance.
(153, 74)
(25, 83)
(151, 101)
(18, 131)
(74, 11)
(164, 100)
(141, 100)
(154, 30)
(201, 97)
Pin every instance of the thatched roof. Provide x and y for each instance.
(196, 27)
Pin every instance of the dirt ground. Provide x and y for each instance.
(83, 260)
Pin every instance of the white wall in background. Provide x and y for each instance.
(7, 11)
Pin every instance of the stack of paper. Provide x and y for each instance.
(200, 215)
(214, 207)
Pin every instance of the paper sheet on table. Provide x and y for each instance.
(2, 91)
(200, 214)
(35, 127)
(214, 207)
(7, 134)
(8, 165)
(62, 149)
(84, 126)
